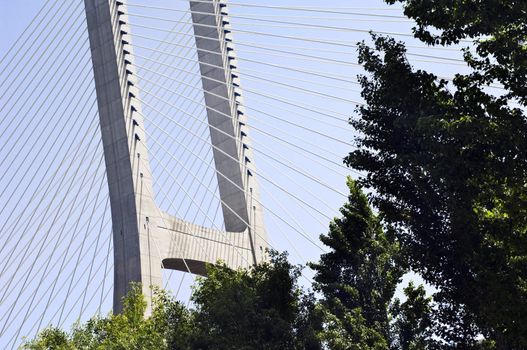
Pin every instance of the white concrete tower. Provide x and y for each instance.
(145, 239)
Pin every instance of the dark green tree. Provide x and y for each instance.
(447, 164)
(412, 324)
(499, 28)
(259, 308)
(358, 277)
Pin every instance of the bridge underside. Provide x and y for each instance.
(180, 245)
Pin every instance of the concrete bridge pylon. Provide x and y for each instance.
(145, 239)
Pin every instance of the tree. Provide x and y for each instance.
(347, 329)
(498, 26)
(50, 338)
(358, 276)
(129, 330)
(448, 166)
(412, 326)
(259, 308)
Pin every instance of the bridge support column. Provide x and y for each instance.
(144, 238)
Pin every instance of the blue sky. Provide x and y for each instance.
(287, 96)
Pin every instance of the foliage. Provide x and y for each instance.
(412, 326)
(359, 275)
(345, 328)
(259, 308)
(50, 338)
(500, 30)
(448, 170)
(358, 278)
(129, 330)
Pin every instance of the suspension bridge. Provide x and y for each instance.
(141, 140)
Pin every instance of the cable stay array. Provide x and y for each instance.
(297, 70)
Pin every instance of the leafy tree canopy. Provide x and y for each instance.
(129, 330)
(498, 26)
(358, 278)
(259, 308)
(359, 275)
(448, 165)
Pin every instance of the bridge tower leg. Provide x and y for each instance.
(144, 238)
